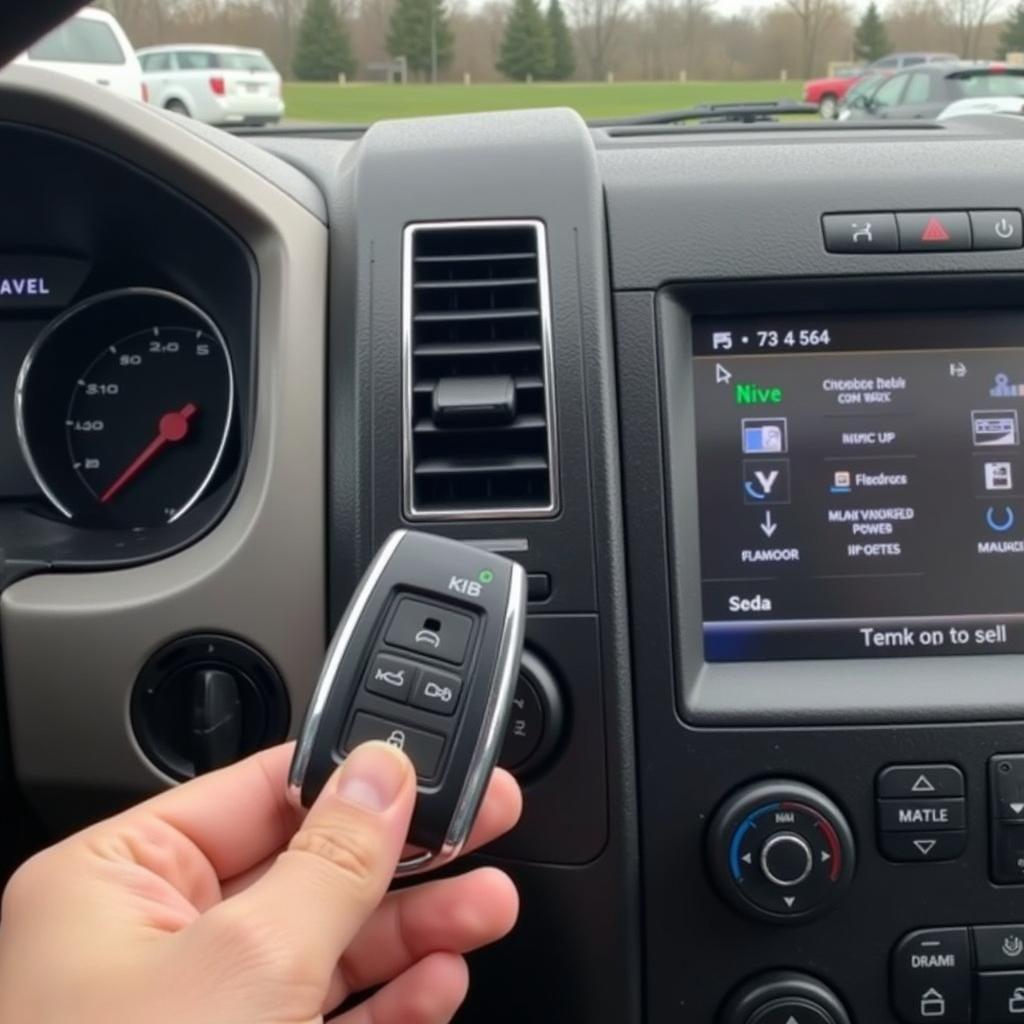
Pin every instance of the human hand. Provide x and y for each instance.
(215, 903)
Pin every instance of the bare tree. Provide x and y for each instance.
(286, 14)
(597, 24)
(695, 14)
(814, 16)
(969, 18)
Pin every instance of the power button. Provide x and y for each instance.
(997, 229)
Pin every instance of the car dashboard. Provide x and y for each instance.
(751, 401)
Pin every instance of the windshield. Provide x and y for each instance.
(865, 86)
(352, 62)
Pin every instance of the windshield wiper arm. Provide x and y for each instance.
(712, 113)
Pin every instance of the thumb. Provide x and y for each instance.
(338, 865)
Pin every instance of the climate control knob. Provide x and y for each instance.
(786, 859)
(784, 997)
(781, 851)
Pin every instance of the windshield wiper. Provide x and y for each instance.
(713, 113)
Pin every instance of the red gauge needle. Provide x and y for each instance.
(173, 427)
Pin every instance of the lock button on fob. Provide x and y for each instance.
(423, 748)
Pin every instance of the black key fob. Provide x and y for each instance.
(425, 658)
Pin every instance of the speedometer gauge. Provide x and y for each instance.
(146, 412)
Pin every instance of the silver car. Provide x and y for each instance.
(220, 85)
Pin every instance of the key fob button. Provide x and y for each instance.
(436, 691)
(392, 677)
(430, 629)
(423, 748)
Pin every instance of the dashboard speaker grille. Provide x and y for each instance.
(479, 410)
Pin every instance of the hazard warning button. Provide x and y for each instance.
(925, 232)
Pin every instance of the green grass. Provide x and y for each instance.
(365, 103)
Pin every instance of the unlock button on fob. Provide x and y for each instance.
(423, 748)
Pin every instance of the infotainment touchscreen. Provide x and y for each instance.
(860, 484)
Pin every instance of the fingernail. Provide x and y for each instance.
(372, 776)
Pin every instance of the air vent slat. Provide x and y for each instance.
(515, 464)
(476, 282)
(469, 315)
(476, 258)
(479, 430)
(532, 421)
(476, 348)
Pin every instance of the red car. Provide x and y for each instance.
(826, 93)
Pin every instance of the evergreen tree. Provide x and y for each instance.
(871, 41)
(526, 48)
(1011, 40)
(563, 60)
(420, 30)
(323, 50)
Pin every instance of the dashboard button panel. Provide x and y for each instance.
(941, 230)
(922, 847)
(997, 229)
(921, 815)
(903, 781)
(860, 232)
(999, 947)
(922, 812)
(781, 851)
(1006, 781)
(1000, 997)
(931, 976)
(1006, 818)
(792, 1010)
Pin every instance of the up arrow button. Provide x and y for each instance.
(917, 781)
(922, 785)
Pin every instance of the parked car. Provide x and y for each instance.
(925, 92)
(220, 85)
(898, 61)
(983, 105)
(92, 47)
(827, 93)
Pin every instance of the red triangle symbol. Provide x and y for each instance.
(934, 231)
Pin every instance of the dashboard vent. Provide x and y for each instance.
(479, 408)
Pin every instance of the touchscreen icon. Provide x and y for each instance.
(998, 476)
(995, 428)
(842, 482)
(1002, 388)
(766, 481)
(764, 437)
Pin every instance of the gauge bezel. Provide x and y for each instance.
(50, 335)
